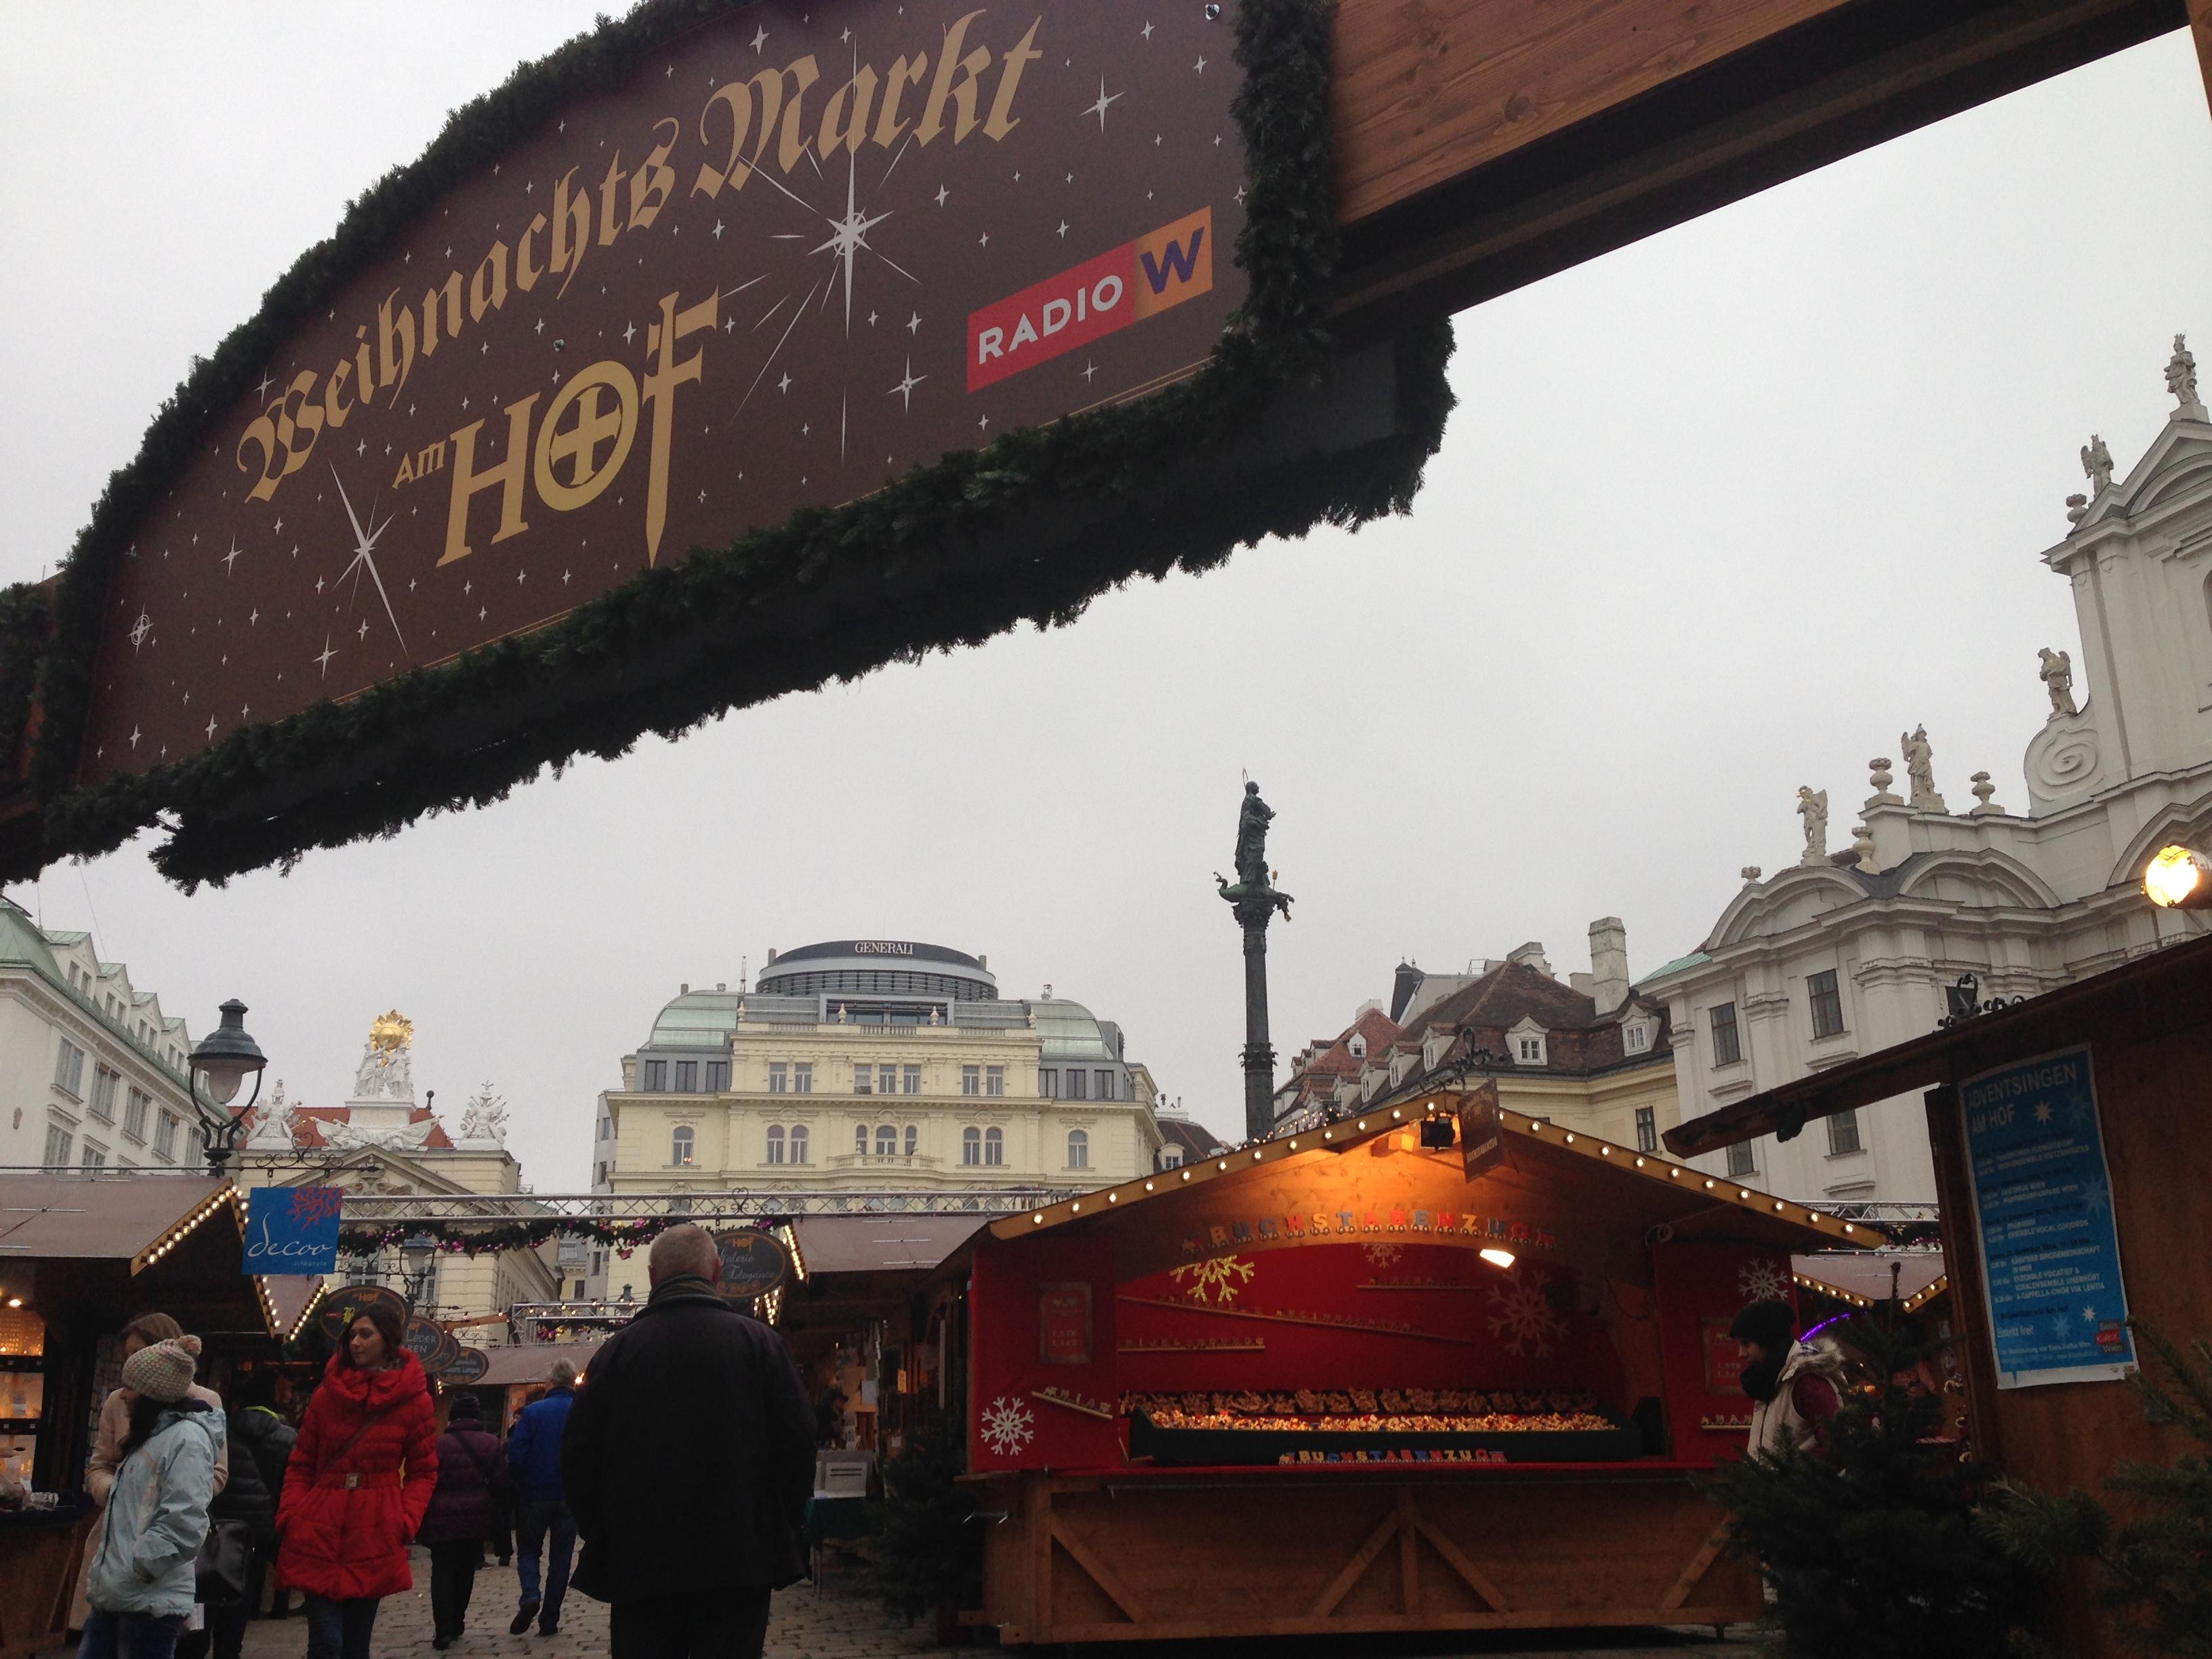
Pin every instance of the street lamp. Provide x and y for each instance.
(417, 1255)
(2178, 879)
(224, 1058)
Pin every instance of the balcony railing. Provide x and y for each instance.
(884, 1160)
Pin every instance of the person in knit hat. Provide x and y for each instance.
(142, 1580)
(1792, 1384)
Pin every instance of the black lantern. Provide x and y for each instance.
(224, 1058)
(417, 1254)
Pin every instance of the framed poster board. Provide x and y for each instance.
(1724, 1358)
(2043, 1222)
(1064, 1324)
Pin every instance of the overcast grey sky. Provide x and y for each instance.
(1719, 514)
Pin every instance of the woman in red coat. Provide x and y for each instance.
(358, 1482)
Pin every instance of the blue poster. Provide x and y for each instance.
(2043, 1201)
(293, 1230)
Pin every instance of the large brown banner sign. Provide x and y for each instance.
(712, 358)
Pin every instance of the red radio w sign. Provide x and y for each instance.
(1139, 279)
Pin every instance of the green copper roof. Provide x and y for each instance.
(1694, 959)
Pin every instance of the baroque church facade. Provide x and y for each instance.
(1852, 951)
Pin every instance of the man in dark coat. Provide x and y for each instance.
(688, 1462)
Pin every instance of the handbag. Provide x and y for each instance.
(219, 1573)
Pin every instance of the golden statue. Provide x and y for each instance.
(392, 1030)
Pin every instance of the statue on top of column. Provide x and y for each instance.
(1253, 884)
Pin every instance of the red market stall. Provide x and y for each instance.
(1450, 1368)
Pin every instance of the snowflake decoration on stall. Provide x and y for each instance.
(1524, 1318)
(1221, 1277)
(1762, 1281)
(1382, 1254)
(1008, 1425)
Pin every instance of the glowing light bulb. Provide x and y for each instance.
(1497, 1258)
(2176, 879)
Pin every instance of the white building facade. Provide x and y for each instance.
(93, 1074)
(1849, 952)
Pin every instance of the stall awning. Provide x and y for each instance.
(136, 1219)
(1866, 1278)
(532, 1362)
(882, 1243)
(2168, 987)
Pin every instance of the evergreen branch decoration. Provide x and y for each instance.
(943, 558)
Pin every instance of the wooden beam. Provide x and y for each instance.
(1340, 1586)
(1455, 1559)
(1409, 1551)
(1708, 1553)
(1101, 1574)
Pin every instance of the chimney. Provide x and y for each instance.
(984, 963)
(771, 957)
(684, 990)
(1402, 988)
(1608, 940)
(1531, 955)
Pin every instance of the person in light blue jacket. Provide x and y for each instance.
(141, 1582)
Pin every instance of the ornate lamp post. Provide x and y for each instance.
(224, 1058)
(1254, 902)
(417, 1255)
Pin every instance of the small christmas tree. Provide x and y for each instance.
(2158, 1566)
(929, 1555)
(1870, 1544)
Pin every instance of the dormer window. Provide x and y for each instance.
(1432, 1050)
(1527, 1042)
(1357, 1047)
(1400, 1065)
(1636, 1037)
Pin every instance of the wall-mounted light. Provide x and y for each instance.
(2178, 878)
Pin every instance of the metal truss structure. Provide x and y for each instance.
(777, 1204)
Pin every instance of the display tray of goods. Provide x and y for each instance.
(1362, 1425)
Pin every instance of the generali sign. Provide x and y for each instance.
(798, 254)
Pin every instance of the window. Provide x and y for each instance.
(656, 1074)
(971, 1147)
(680, 1144)
(69, 1067)
(1635, 1039)
(776, 1143)
(1171, 1157)
(1739, 1160)
(103, 1093)
(886, 1079)
(860, 1138)
(864, 1079)
(165, 1137)
(886, 1140)
(1647, 1130)
(913, 1079)
(779, 1078)
(1826, 1001)
(687, 1077)
(995, 1147)
(1105, 1082)
(913, 1138)
(718, 1076)
(1528, 1051)
(1075, 1089)
(606, 1128)
(1049, 1085)
(799, 1154)
(602, 1176)
(1079, 1149)
(1726, 1049)
(1843, 1134)
(995, 1079)
(58, 1142)
(972, 1079)
(96, 1155)
(134, 1114)
(802, 1078)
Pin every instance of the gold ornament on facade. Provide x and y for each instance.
(392, 1031)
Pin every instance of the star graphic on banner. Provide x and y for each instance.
(1146, 30)
(325, 656)
(941, 194)
(231, 557)
(2089, 1315)
(210, 728)
(719, 229)
(848, 237)
(914, 323)
(1089, 368)
(1063, 230)
(906, 386)
(759, 41)
(364, 557)
(364, 629)
(784, 384)
(1201, 64)
(1099, 108)
(135, 735)
(263, 389)
(140, 630)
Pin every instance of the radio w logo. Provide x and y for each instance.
(1101, 297)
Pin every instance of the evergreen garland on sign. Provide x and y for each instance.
(1870, 1545)
(26, 620)
(949, 555)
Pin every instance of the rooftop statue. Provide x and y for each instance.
(2097, 464)
(2057, 676)
(1253, 887)
(2181, 372)
(386, 1070)
(1813, 807)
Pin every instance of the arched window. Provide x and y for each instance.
(886, 1140)
(995, 1147)
(913, 1138)
(1079, 1149)
(679, 1146)
(860, 1138)
(971, 1146)
(798, 1140)
(776, 1143)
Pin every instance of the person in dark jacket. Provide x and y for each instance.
(688, 1463)
(471, 1479)
(260, 1442)
(533, 1456)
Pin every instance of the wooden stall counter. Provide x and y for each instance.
(40, 1551)
(1136, 1553)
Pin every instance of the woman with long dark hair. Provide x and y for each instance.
(142, 1580)
(357, 1483)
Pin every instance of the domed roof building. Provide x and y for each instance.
(876, 1066)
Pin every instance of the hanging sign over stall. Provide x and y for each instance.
(292, 1230)
(2043, 1214)
(754, 1264)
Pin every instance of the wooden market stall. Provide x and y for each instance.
(2126, 1161)
(80, 1255)
(1450, 1367)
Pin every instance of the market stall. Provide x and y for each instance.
(1451, 1368)
(80, 1255)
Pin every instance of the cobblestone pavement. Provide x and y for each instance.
(845, 1623)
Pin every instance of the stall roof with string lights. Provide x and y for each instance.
(1419, 1341)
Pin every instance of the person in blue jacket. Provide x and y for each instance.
(533, 1464)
